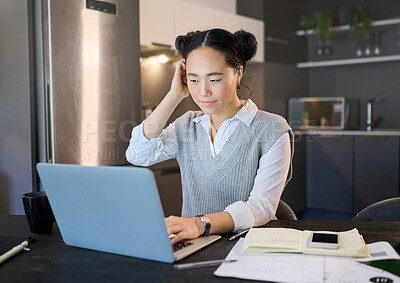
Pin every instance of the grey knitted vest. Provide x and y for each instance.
(209, 184)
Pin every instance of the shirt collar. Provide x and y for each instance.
(246, 114)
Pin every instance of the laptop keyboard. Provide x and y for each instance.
(180, 245)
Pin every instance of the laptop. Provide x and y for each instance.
(112, 209)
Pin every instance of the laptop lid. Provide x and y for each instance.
(108, 208)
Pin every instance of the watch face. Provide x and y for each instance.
(206, 219)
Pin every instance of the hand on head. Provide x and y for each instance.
(177, 82)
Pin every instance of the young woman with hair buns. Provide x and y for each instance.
(235, 160)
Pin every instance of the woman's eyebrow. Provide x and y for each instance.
(210, 74)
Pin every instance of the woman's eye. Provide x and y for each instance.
(215, 81)
(193, 81)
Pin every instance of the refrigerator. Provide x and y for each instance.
(91, 81)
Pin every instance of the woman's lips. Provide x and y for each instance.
(208, 103)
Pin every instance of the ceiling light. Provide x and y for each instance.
(162, 59)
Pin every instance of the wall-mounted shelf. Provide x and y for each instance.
(348, 61)
(380, 23)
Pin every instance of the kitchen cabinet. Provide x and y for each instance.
(376, 169)
(254, 26)
(157, 22)
(169, 186)
(194, 17)
(161, 21)
(349, 171)
(295, 192)
(191, 17)
(330, 173)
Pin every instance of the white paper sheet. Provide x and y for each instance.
(357, 272)
(341, 269)
(272, 266)
(380, 250)
(361, 273)
(335, 267)
(282, 267)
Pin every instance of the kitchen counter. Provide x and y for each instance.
(376, 132)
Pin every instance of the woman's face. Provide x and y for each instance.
(212, 82)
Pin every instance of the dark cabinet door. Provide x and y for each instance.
(169, 186)
(330, 172)
(295, 192)
(376, 170)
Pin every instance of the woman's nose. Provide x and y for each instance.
(205, 90)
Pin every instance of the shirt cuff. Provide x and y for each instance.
(139, 137)
(241, 214)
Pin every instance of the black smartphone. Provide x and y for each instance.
(324, 240)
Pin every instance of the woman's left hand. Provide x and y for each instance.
(183, 228)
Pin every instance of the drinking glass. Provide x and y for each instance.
(377, 50)
(398, 37)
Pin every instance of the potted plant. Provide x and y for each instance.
(321, 22)
(307, 23)
(357, 18)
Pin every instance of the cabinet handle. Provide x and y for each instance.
(375, 137)
(277, 40)
(49, 132)
(330, 136)
(170, 171)
(160, 44)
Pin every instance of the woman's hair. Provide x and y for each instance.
(238, 48)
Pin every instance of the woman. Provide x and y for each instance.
(235, 160)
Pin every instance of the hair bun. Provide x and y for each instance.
(247, 44)
(182, 41)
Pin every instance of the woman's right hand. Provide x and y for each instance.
(177, 85)
(155, 123)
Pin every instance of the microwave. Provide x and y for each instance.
(329, 113)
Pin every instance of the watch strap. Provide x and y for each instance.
(208, 225)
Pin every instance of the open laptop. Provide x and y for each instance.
(112, 209)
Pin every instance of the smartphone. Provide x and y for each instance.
(324, 240)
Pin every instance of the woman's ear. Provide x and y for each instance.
(239, 75)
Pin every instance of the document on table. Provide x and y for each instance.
(360, 273)
(273, 266)
(344, 269)
(335, 267)
(283, 267)
(380, 250)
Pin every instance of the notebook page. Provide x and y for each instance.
(273, 239)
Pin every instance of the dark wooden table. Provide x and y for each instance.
(50, 260)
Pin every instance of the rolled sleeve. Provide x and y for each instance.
(145, 152)
(241, 214)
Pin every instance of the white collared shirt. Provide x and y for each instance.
(271, 174)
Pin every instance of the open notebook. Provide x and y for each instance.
(112, 209)
(291, 240)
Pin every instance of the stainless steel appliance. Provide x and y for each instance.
(92, 77)
(336, 113)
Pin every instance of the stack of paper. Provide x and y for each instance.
(296, 241)
(298, 268)
(272, 266)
